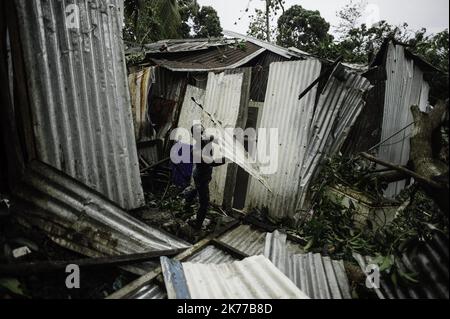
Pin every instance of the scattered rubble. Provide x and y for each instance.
(88, 178)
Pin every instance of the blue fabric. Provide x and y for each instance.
(182, 172)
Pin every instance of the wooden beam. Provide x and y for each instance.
(406, 171)
(155, 165)
(229, 249)
(103, 262)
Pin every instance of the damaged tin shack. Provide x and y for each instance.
(87, 138)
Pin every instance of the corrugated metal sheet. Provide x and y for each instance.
(169, 85)
(140, 83)
(174, 279)
(208, 255)
(218, 114)
(79, 95)
(309, 132)
(226, 100)
(260, 74)
(292, 117)
(166, 98)
(183, 45)
(251, 241)
(337, 110)
(191, 112)
(253, 278)
(367, 130)
(149, 292)
(82, 220)
(244, 238)
(286, 53)
(405, 86)
(318, 277)
(429, 261)
(211, 255)
(216, 59)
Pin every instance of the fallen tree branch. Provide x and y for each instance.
(49, 266)
(424, 144)
(388, 176)
(417, 177)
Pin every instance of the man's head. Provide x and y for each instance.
(197, 131)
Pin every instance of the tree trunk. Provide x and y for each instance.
(422, 152)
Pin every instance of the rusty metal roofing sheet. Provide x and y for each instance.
(318, 277)
(140, 83)
(79, 98)
(292, 117)
(429, 261)
(252, 278)
(186, 45)
(214, 59)
(405, 86)
(286, 53)
(82, 220)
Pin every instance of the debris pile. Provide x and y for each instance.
(329, 170)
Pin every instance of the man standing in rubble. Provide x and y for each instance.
(202, 173)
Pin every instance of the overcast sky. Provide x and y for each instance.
(432, 14)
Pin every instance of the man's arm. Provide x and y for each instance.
(209, 159)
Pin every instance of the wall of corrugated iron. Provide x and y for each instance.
(260, 74)
(405, 86)
(191, 112)
(308, 131)
(292, 117)
(366, 132)
(227, 100)
(338, 108)
(79, 95)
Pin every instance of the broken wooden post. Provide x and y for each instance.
(49, 266)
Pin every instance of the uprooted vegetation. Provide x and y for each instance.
(332, 228)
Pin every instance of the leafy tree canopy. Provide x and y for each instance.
(303, 29)
(207, 23)
(153, 20)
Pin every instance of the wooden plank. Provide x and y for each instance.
(49, 266)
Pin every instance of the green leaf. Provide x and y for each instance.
(12, 285)
(408, 277)
(309, 245)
